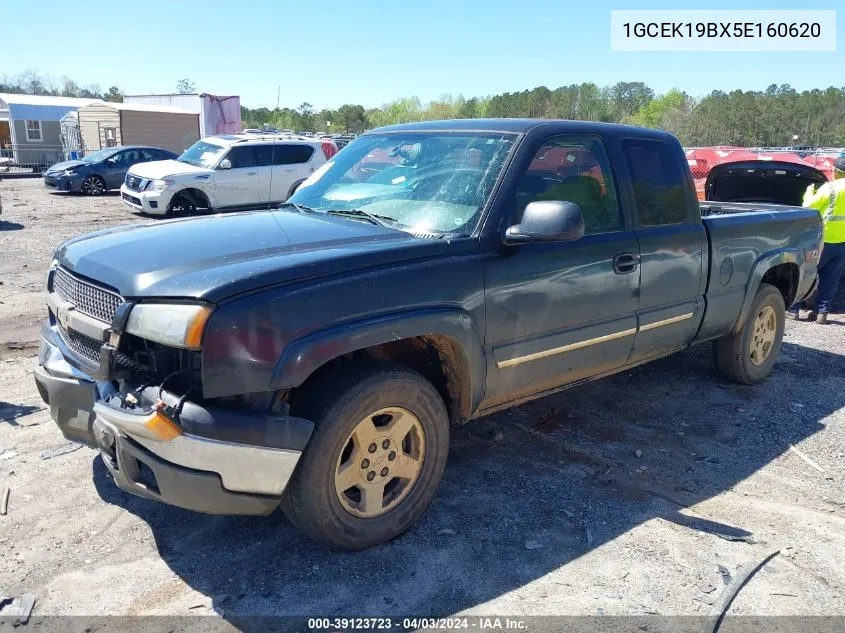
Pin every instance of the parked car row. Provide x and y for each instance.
(225, 172)
(102, 170)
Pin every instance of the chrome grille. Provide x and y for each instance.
(81, 345)
(87, 298)
(135, 183)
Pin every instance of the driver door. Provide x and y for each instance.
(561, 312)
(114, 169)
(239, 185)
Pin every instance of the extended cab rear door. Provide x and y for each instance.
(672, 245)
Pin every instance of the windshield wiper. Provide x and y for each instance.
(381, 220)
(301, 208)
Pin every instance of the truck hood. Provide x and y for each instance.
(219, 256)
(163, 168)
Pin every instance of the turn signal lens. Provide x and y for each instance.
(162, 427)
(193, 335)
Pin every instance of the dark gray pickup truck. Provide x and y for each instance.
(315, 355)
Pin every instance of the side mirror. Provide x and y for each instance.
(547, 221)
(225, 164)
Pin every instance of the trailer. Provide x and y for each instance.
(218, 114)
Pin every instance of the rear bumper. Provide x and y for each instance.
(194, 469)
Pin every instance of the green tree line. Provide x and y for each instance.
(776, 116)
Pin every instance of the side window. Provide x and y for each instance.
(242, 156)
(263, 155)
(659, 183)
(129, 158)
(573, 169)
(146, 155)
(289, 154)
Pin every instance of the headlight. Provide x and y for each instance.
(177, 324)
(70, 171)
(159, 185)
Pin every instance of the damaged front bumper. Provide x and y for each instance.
(216, 460)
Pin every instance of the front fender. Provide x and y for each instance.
(764, 263)
(303, 356)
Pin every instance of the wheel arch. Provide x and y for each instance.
(196, 196)
(442, 345)
(782, 270)
(294, 187)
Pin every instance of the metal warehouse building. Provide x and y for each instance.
(106, 124)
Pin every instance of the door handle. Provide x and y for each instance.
(288, 171)
(624, 263)
(250, 173)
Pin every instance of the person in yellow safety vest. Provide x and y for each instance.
(829, 200)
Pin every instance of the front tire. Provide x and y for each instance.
(180, 206)
(375, 460)
(93, 186)
(749, 356)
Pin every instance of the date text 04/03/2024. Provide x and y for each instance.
(415, 624)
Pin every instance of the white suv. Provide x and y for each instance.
(225, 173)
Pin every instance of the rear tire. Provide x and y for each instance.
(333, 510)
(749, 356)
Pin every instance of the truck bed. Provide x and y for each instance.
(739, 234)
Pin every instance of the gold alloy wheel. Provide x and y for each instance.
(763, 337)
(380, 462)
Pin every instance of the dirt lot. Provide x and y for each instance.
(625, 496)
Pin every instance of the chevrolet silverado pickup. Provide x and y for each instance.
(313, 355)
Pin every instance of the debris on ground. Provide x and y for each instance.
(60, 450)
(8, 454)
(638, 453)
(4, 500)
(533, 544)
(589, 534)
(737, 538)
(721, 608)
(726, 574)
(706, 587)
(805, 458)
(17, 610)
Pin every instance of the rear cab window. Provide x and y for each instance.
(658, 181)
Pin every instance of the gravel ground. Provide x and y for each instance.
(631, 495)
